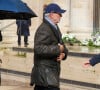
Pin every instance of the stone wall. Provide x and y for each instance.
(77, 20)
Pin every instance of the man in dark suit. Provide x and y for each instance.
(23, 30)
(49, 51)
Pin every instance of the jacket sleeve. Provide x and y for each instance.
(66, 52)
(43, 45)
(95, 60)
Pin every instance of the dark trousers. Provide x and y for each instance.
(45, 88)
(25, 40)
(0, 36)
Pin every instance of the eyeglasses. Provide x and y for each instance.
(58, 14)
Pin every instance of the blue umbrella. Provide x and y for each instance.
(15, 9)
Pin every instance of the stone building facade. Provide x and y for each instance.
(81, 18)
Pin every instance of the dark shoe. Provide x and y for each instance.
(19, 45)
(26, 44)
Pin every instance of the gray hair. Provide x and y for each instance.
(47, 14)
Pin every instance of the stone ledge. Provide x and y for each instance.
(80, 54)
(71, 53)
(22, 49)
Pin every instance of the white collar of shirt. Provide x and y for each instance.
(49, 20)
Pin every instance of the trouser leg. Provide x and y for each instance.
(39, 87)
(26, 40)
(53, 88)
(19, 40)
(45, 88)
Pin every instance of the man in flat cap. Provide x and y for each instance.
(49, 50)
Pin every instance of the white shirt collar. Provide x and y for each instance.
(49, 20)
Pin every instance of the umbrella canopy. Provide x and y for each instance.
(15, 9)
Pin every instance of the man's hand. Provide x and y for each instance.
(61, 56)
(86, 64)
(61, 47)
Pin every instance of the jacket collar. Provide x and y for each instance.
(49, 20)
(56, 31)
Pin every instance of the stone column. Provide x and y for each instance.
(96, 13)
(81, 18)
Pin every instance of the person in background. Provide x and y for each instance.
(49, 51)
(93, 61)
(23, 30)
(1, 36)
